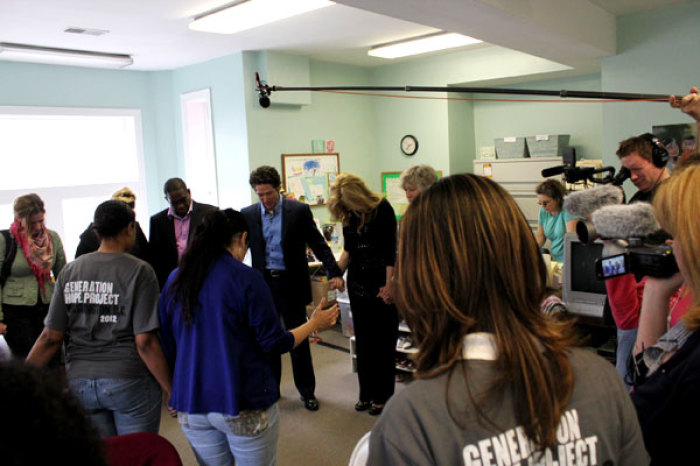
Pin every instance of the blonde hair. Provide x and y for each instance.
(350, 194)
(125, 195)
(468, 262)
(677, 207)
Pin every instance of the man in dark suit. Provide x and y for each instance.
(280, 230)
(172, 229)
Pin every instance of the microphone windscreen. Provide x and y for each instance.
(625, 221)
(585, 202)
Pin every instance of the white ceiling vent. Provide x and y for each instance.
(87, 31)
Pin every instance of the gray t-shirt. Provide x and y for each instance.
(598, 427)
(101, 301)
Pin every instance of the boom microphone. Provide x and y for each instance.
(625, 221)
(584, 203)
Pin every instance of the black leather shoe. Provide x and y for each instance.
(363, 405)
(310, 403)
(375, 410)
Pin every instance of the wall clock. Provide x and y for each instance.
(409, 144)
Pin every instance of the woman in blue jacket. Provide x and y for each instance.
(218, 324)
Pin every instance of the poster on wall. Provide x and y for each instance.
(680, 141)
(308, 177)
(394, 193)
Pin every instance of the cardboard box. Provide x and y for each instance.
(511, 148)
(320, 288)
(547, 145)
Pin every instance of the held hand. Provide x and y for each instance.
(172, 412)
(689, 103)
(386, 293)
(324, 318)
(3, 328)
(337, 283)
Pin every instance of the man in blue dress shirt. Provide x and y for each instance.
(280, 230)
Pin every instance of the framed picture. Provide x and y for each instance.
(308, 177)
(394, 193)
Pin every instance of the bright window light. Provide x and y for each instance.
(423, 44)
(73, 158)
(250, 14)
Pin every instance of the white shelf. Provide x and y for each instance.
(407, 350)
(404, 328)
(405, 369)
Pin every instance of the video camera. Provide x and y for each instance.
(574, 174)
(644, 242)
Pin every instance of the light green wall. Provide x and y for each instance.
(225, 79)
(289, 129)
(657, 53)
(581, 120)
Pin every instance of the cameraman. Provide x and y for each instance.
(647, 168)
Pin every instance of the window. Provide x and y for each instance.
(74, 158)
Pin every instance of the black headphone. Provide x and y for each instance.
(659, 154)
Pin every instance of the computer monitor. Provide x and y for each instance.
(582, 291)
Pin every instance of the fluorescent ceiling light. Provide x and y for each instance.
(53, 56)
(249, 14)
(422, 44)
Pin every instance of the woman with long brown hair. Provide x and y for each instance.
(498, 381)
(369, 232)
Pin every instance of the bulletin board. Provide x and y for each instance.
(394, 193)
(308, 177)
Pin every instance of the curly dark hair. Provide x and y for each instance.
(111, 217)
(34, 406)
(265, 175)
(216, 232)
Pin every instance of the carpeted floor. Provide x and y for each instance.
(325, 437)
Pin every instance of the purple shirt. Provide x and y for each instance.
(182, 229)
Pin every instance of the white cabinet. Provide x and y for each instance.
(519, 177)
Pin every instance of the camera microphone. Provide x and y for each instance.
(621, 176)
(625, 221)
(583, 203)
(553, 171)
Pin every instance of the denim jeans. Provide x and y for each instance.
(250, 438)
(120, 406)
(625, 346)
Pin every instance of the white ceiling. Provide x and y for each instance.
(575, 32)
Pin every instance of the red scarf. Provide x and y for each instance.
(38, 251)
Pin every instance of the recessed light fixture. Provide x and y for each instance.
(55, 56)
(421, 44)
(249, 14)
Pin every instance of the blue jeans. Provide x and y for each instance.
(625, 346)
(250, 438)
(120, 406)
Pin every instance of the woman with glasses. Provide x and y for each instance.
(553, 221)
(218, 326)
